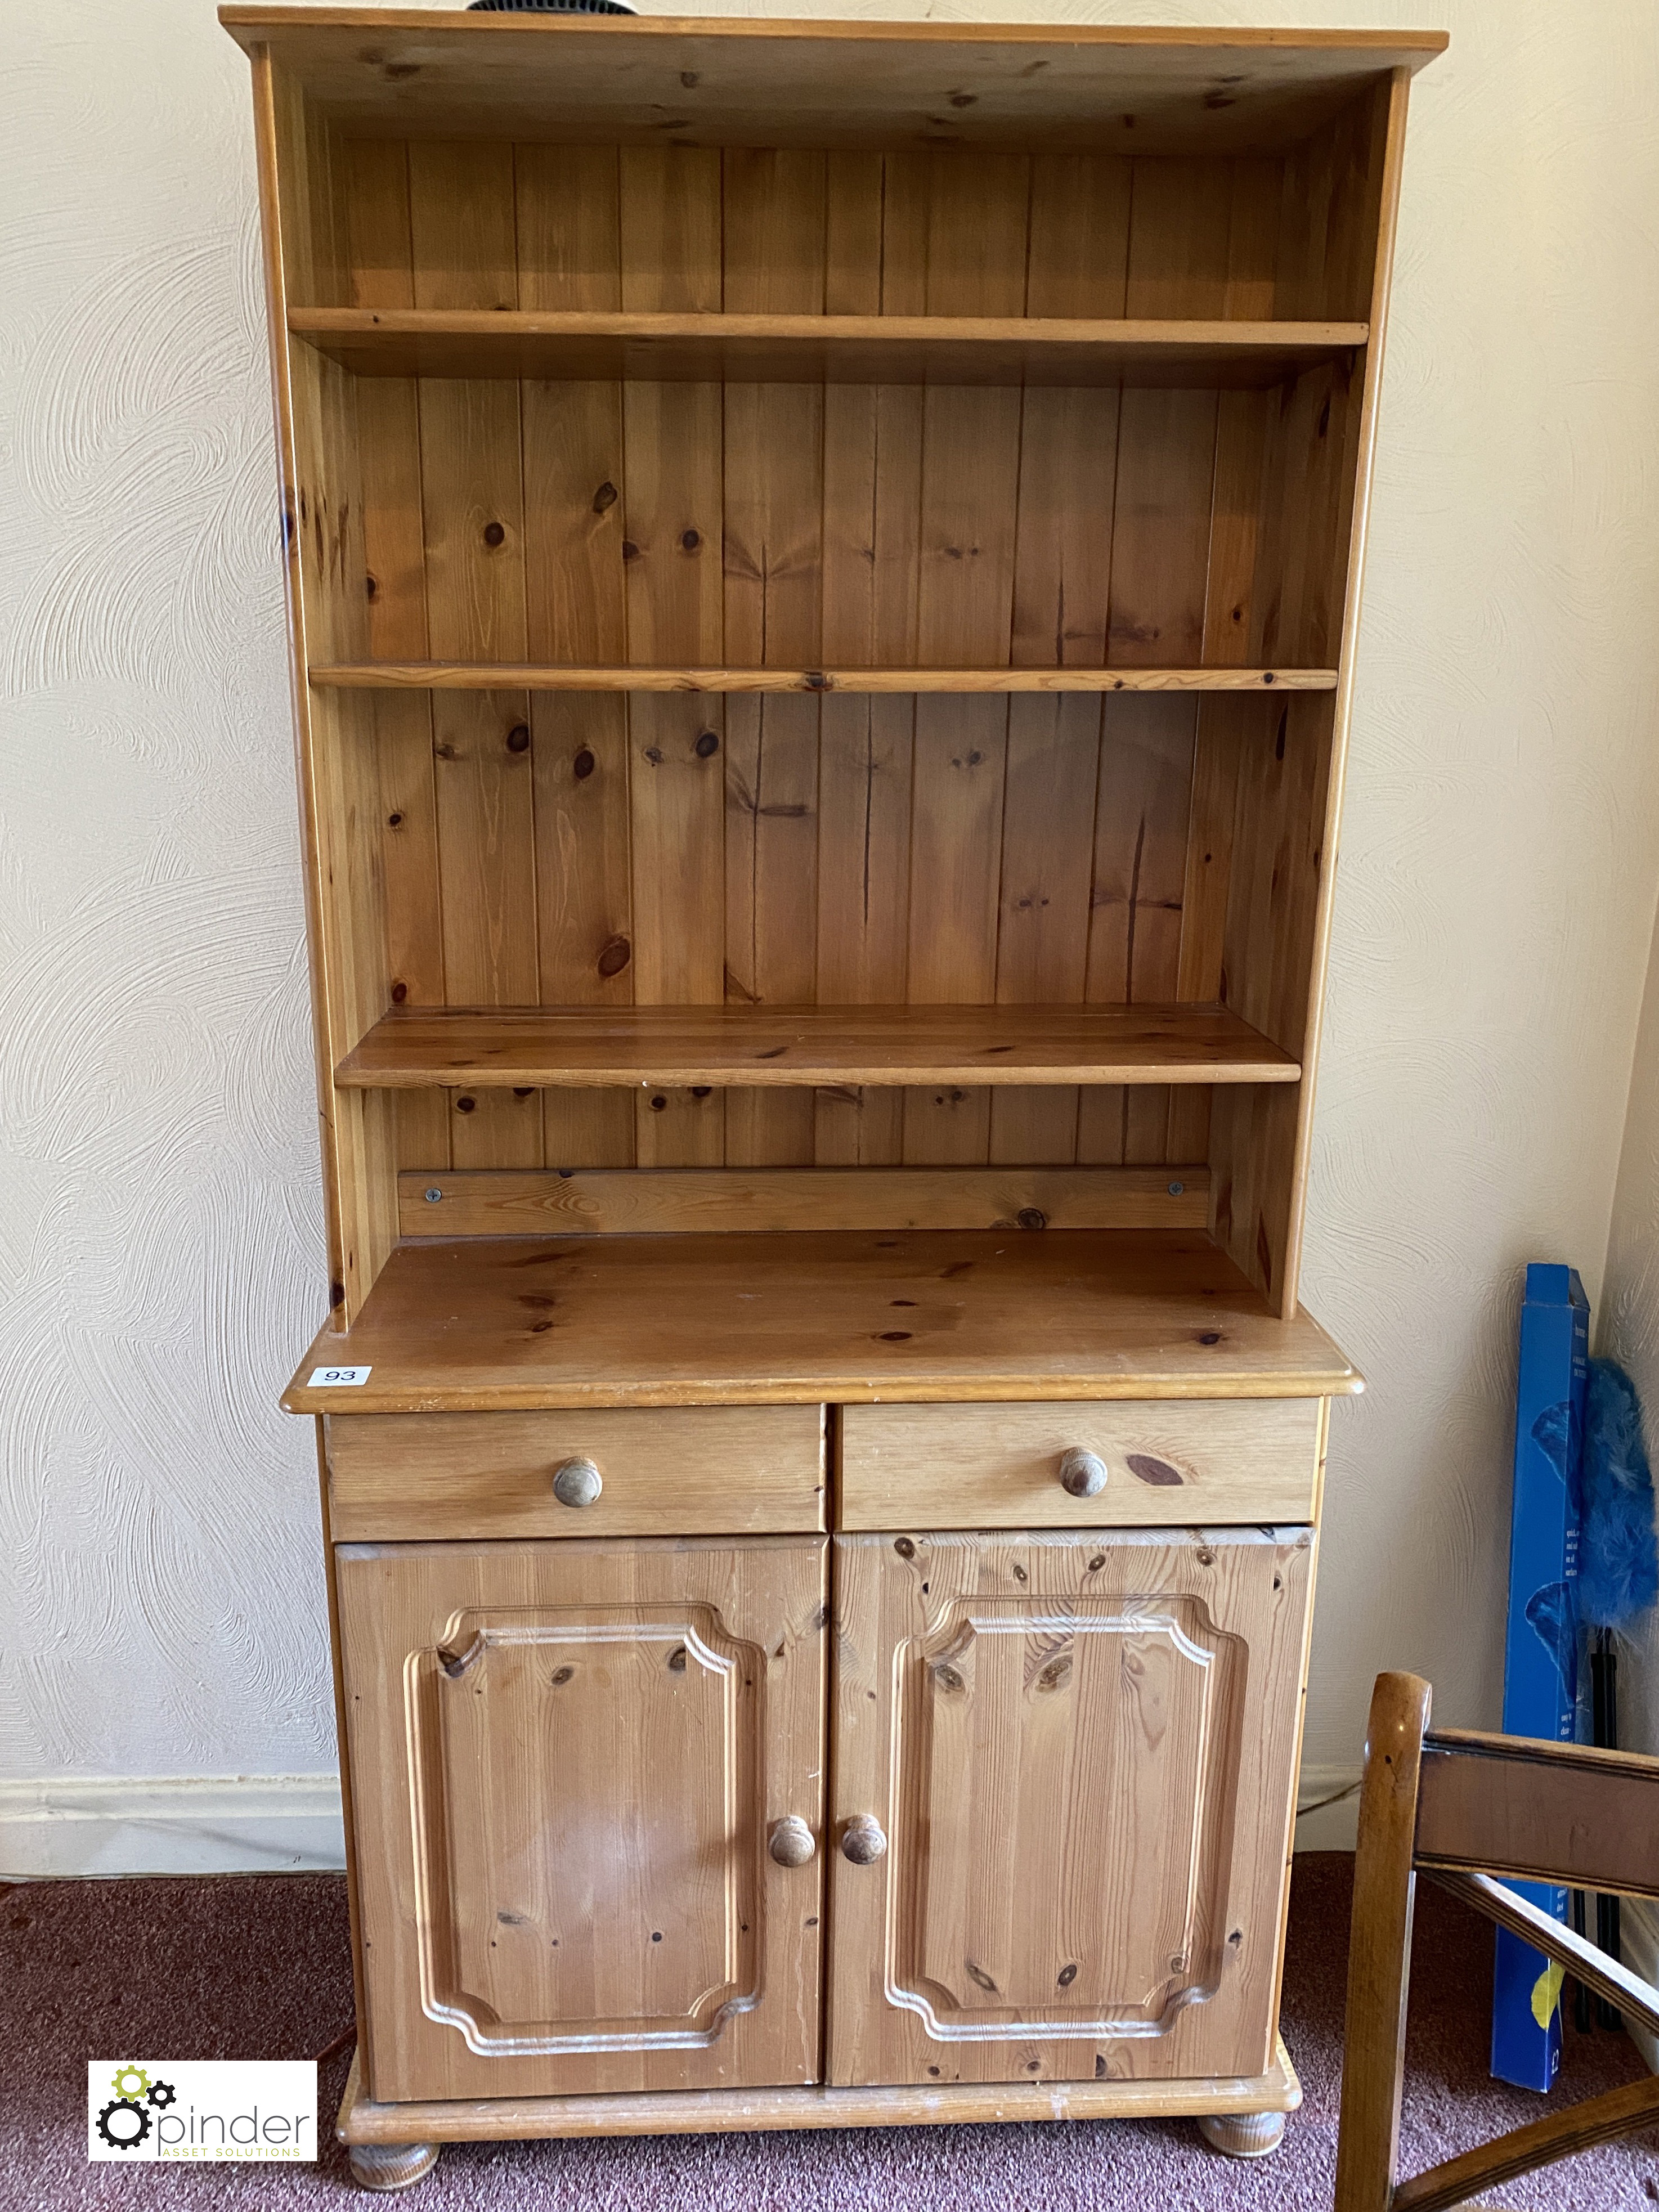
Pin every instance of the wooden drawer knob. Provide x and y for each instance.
(1083, 1473)
(577, 1482)
(791, 1843)
(862, 1840)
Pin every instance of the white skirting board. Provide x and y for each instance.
(290, 1823)
(171, 1824)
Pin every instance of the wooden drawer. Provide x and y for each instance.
(706, 1471)
(1168, 1462)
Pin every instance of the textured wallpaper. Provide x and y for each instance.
(160, 1254)
(1627, 1329)
(161, 1257)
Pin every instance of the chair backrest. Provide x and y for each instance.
(1552, 1812)
(1465, 1807)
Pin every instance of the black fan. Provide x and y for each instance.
(548, 7)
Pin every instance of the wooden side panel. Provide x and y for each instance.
(1336, 240)
(364, 1130)
(1309, 512)
(328, 511)
(1274, 880)
(565, 1759)
(375, 178)
(339, 783)
(1082, 1751)
(1330, 211)
(1277, 883)
(1359, 250)
(1330, 224)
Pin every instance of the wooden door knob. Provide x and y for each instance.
(1082, 1474)
(791, 1843)
(862, 1840)
(577, 1482)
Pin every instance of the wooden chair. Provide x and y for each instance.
(1463, 1807)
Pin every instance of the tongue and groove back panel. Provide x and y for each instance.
(592, 848)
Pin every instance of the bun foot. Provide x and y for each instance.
(391, 2166)
(1244, 2134)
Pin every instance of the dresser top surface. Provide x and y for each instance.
(848, 1316)
(692, 80)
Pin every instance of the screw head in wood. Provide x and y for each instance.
(790, 1842)
(1082, 1474)
(862, 1840)
(433, 1195)
(577, 1482)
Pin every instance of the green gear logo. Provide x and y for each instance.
(125, 2122)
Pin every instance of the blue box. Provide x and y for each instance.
(1540, 1653)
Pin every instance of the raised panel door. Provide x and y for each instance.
(566, 1762)
(1081, 1750)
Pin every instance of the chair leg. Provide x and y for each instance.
(1379, 1946)
(1244, 2134)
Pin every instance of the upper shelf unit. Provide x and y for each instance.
(569, 316)
(767, 348)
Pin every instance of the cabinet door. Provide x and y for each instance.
(566, 1760)
(1081, 1749)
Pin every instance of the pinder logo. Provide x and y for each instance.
(202, 2110)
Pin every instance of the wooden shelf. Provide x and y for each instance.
(526, 1046)
(702, 349)
(848, 1316)
(526, 676)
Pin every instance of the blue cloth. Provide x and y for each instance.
(1618, 1557)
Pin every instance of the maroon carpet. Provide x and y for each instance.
(256, 1967)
